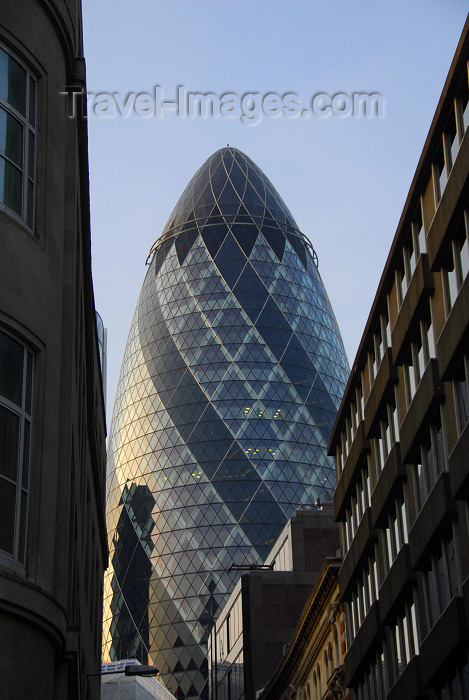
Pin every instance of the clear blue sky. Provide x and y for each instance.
(344, 179)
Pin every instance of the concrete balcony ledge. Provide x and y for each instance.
(447, 635)
(435, 515)
(387, 486)
(362, 543)
(408, 685)
(381, 391)
(429, 395)
(420, 288)
(451, 205)
(395, 586)
(455, 334)
(363, 646)
(359, 449)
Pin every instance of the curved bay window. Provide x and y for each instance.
(17, 138)
(16, 370)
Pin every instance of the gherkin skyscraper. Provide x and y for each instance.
(231, 379)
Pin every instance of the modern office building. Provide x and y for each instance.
(53, 546)
(401, 438)
(313, 664)
(232, 375)
(256, 625)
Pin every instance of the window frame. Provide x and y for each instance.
(442, 581)
(22, 482)
(456, 267)
(421, 350)
(404, 637)
(461, 394)
(28, 123)
(427, 470)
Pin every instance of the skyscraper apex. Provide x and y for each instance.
(232, 375)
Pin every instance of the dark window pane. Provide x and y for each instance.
(9, 437)
(462, 401)
(430, 469)
(433, 610)
(10, 186)
(455, 695)
(12, 82)
(276, 239)
(3, 74)
(7, 515)
(17, 86)
(29, 382)
(465, 682)
(453, 572)
(11, 369)
(299, 247)
(442, 582)
(440, 450)
(11, 138)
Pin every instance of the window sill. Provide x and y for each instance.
(11, 565)
(13, 219)
(431, 521)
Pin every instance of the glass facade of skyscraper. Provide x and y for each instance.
(231, 379)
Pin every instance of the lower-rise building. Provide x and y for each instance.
(401, 438)
(252, 631)
(312, 666)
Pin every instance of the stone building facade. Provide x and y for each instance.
(53, 546)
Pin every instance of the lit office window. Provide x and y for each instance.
(17, 138)
(16, 370)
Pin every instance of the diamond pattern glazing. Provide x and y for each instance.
(232, 375)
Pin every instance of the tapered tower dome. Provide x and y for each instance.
(231, 379)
